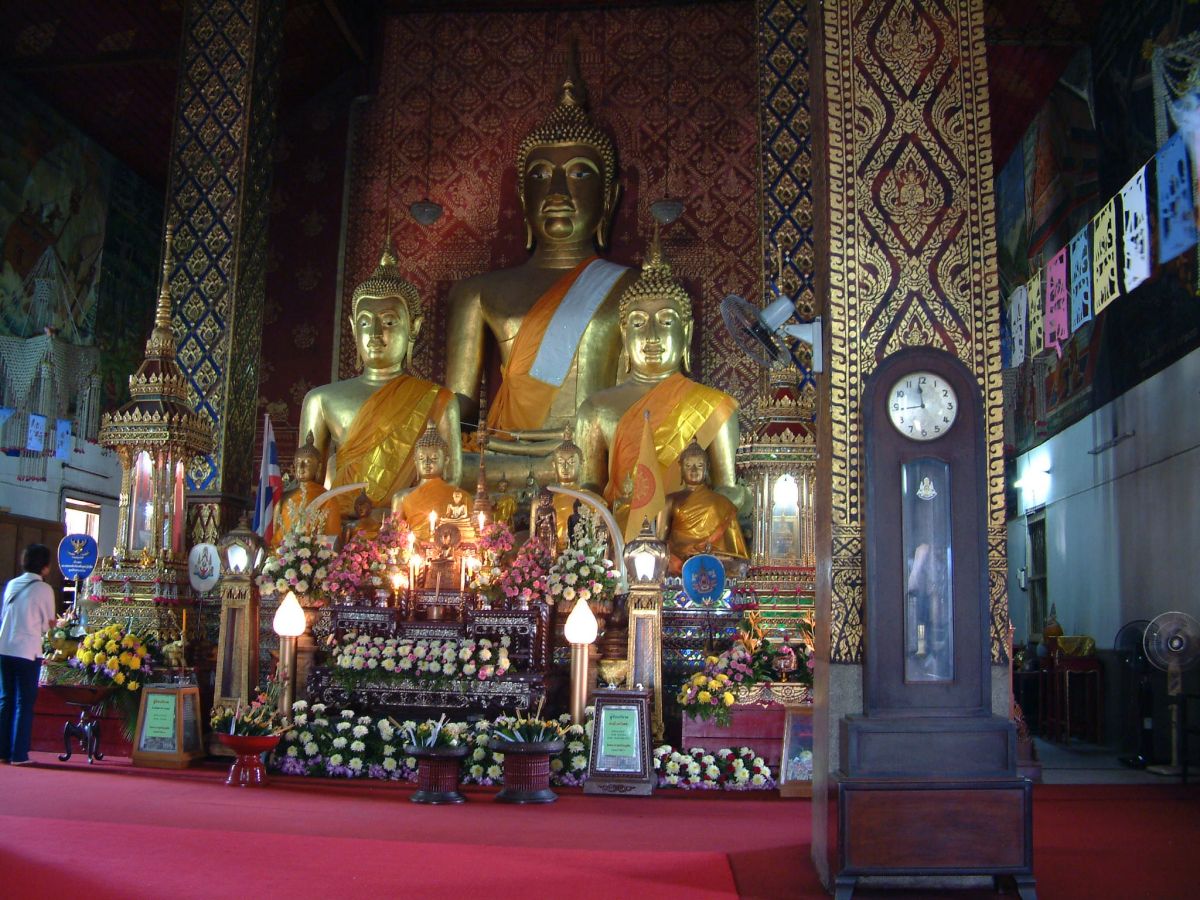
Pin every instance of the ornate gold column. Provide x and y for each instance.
(217, 203)
(909, 229)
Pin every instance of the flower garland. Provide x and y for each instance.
(583, 571)
(301, 564)
(697, 769)
(482, 660)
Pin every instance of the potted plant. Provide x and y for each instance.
(439, 748)
(249, 731)
(527, 745)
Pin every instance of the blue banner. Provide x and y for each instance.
(77, 555)
(35, 434)
(1081, 280)
(1176, 218)
(62, 439)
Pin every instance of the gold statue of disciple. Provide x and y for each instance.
(699, 520)
(568, 464)
(553, 317)
(373, 421)
(433, 493)
(296, 499)
(656, 331)
(505, 504)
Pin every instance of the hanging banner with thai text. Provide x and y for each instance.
(1037, 315)
(35, 433)
(62, 439)
(1018, 313)
(1058, 316)
(1135, 231)
(1176, 224)
(1081, 279)
(1105, 287)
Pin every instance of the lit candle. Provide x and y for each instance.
(482, 519)
(432, 524)
(462, 576)
(412, 540)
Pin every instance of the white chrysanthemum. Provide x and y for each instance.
(493, 771)
(336, 759)
(757, 780)
(357, 747)
(339, 743)
(347, 714)
(389, 750)
(355, 765)
(389, 764)
(293, 751)
(360, 730)
(712, 772)
(310, 749)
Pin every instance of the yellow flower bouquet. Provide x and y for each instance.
(114, 655)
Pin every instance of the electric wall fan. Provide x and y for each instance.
(1172, 643)
(766, 335)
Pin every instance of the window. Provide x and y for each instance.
(1037, 575)
(81, 517)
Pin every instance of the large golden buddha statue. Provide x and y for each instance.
(568, 463)
(433, 493)
(554, 317)
(296, 499)
(699, 520)
(656, 332)
(372, 422)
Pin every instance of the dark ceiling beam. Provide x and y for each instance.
(117, 59)
(334, 8)
(1035, 36)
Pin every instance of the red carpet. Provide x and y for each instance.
(118, 832)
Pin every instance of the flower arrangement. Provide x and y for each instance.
(62, 640)
(114, 655)
(364, 564)
(433, 734)
(583, 571)
(259, 717)
(527, 730)
(709, 694)
(301, 564)
(494, 542)
(481, 660)
(525, 580)
(697, 769)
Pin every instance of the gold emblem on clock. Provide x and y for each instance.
(922, 406)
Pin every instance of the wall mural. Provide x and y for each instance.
(491, 78)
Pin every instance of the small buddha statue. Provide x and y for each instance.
(699, 520)
(620, 507)
(432, 494)
(458, 513)
(363, 520)
(367, 427)
(656, 332)
(568, 460)
(553, 318)
(543, 526)
(505, 503)
(296, 498)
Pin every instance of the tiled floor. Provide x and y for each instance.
(1080, 763)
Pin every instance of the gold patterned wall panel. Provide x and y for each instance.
(912, 244)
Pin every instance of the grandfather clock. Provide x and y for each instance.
(927, 781)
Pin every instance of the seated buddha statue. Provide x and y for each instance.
(553, 318)
(296, 499)
(656, 333)
(367, 426)
(699, 520)
(568, 460)
(364, 520)
(433, 493)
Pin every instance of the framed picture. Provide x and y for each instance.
(619, 762)
(796, 764)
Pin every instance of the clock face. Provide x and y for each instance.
(922, 406)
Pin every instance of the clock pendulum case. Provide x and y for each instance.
(927, 781)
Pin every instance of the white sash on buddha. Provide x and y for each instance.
(571, 319)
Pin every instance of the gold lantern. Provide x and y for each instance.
(155, 435)
(242, 555)
(646, 560)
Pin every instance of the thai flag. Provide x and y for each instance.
(270, 485)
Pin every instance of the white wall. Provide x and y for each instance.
(1122, 525)
(93, 474)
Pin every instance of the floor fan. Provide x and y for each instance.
(1129, 645)
(1172, 643)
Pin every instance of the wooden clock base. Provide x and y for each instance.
(933, 827)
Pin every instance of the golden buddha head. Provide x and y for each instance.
(502, 486)
(386, 316)
(362, 505)
(568, 460)
(656, 319)
(567, 173)
(307, 462)
(693, 465)
(430, 451)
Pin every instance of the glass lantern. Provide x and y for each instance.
(242, 552)
(646, 558)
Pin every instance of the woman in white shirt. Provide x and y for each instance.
(26, 615)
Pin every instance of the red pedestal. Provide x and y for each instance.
(51, 713)
(438, 769)
(526, 771)
(758, 727)
(247, 769)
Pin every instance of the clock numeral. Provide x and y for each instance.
(924, 433)
(921, 380)
(900, 394)
(910, 428)
(895, 406)
(937, 429)
(949, 406)
(945, 393)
